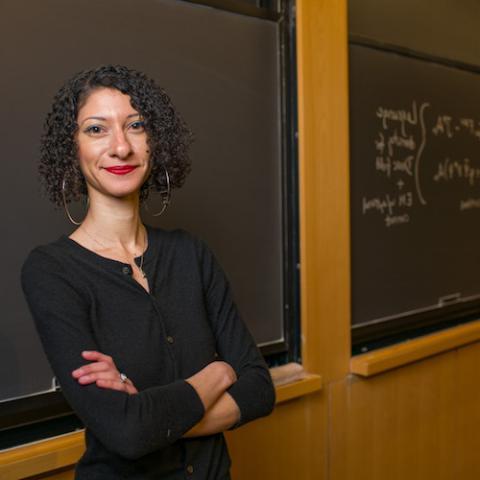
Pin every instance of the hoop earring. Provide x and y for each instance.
(65, 204)
(166, 195)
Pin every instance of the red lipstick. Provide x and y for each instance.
(121, 170)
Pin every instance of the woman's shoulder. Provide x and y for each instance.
(45, 257)
(182, 246)
(177, 237)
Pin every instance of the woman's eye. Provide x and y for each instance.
(139, 125)
(94, 129)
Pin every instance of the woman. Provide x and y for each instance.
(138, 323)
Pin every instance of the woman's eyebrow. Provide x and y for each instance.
(104, 119)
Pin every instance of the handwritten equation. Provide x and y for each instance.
(401, 139)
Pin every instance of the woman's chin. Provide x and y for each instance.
(126, 193)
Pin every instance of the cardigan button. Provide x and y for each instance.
(170, 339)
(190, 469)
(126, 270)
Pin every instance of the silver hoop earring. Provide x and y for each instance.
(166, 195)
(65, 204)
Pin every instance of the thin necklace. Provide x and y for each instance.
(143, 251)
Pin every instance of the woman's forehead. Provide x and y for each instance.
(106, 103)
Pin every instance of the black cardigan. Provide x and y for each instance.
(82, 301)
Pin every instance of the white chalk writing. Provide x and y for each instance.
(448, 170)
(469, 204)
(401, 116)
(400, 141)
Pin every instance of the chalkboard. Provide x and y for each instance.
(223, 72)
(415, 186)
(446, 29)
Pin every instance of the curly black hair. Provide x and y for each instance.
(167, 134)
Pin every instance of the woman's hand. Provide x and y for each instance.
(103, 372)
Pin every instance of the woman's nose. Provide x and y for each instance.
(119, 145)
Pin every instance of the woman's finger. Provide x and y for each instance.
(112, 385)
(94, 376)
(127, 387)
(92, 367)
(97, 356)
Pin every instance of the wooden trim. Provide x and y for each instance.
(384, 359)
(310, 384)
(51, 454)
(324, 200)
(42, 456)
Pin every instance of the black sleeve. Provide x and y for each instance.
(128, 425)
(253, 392)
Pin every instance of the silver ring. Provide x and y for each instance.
(123, 378)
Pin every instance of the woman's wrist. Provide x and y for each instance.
(221, 416)
(212, 381)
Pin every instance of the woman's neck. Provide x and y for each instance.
(114, 224)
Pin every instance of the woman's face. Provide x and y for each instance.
(112, 144)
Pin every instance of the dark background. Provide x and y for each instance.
(222, 71)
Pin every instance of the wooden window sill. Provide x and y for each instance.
(410, 351)
(292, 381)
(42, 456)
(310, 384)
